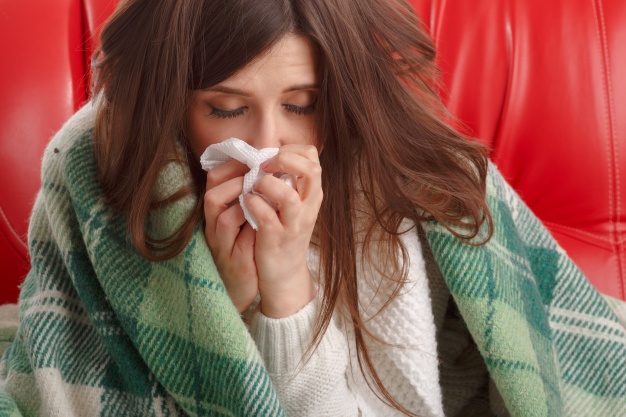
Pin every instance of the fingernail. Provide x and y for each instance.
(264, 164)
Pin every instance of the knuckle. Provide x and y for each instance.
(223, 222)
(316, 170)
(304, 225)
(281, 158)
(311, 223)
(211, 179)
(262, 182)
(211, 199)
(265, 217)
(311, 152)
(292, 197)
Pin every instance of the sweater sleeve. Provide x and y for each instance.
(314, 387)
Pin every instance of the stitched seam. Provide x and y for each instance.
(582, 232)
(85, 44)
(621, 250)
(510, 73)
(17, 237)
(437, 8)
(607, 93)
(613, 143)
(597, 243)
(432, 14)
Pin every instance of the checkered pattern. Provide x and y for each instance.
(105, 332)
(553, 345)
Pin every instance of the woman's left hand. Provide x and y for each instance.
(284, 234)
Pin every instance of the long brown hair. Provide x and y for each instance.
(388, 152)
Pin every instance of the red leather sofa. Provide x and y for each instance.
(542, 83)
(44, 78)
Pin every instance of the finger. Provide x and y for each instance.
(227, 228)
(244, 244)
(266, 217)
(226, 171)
(308, 173)
(287, 200)
(308, 152)
(218, 199)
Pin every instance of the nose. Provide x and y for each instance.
(267, 133)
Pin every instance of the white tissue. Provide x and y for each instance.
(233, 148)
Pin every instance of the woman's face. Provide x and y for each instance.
(268, 103)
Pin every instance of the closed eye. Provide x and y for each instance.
(227, 114)
(300, 110)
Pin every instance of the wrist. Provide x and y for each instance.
(283, 342)
(285, 300)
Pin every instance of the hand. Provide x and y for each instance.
(283, 236)
(231, 245)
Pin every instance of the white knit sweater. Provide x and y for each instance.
(330, 383)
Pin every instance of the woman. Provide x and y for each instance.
(351, 311)
(305, 77)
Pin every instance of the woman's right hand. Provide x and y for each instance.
(232, 246)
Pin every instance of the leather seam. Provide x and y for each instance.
(611, 241)
(608, 99)
(10, 228)
(621, 250)
(437, 22)
(86, 39)
(614, 148)
(510, 74)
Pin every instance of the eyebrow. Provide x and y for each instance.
(237, 92)
(301, 87)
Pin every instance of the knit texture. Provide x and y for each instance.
(307, 385)
(330, 382)
(105, 332)
(406, 358)
(552, 344)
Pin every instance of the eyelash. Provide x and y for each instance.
(300, 111)
(227, 114)
(230, 114)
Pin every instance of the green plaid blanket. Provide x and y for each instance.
(553, 345)
(104, 332)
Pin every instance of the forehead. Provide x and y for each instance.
(291, 60)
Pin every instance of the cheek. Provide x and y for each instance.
(313, 136)
(203, 132)
(305, 132)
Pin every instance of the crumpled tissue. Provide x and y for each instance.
(233, 148)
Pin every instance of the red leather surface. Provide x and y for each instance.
(543, 83)
(42, 79)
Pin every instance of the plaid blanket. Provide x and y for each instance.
(553, 345)
(104, 332)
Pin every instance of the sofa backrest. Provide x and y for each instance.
(542, 83)
(45, 49)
